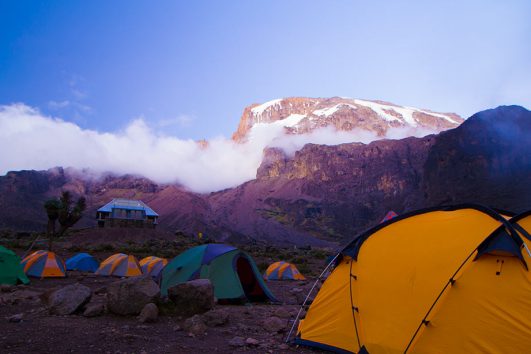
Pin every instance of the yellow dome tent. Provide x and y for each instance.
(446, 280)
(120, 265)
(152, 265)
(283, 271)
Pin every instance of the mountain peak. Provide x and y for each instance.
(301, 115)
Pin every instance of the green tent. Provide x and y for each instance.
(11, 272)
(232, 272)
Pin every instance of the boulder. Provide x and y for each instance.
(6, 288)
(192, 297)
(274, 324)
(129, 296)
(15, 318)
(149, 313)
(195, 325)
(67, 300)
(251, 341)
(281, 312)
(237, 342)
(94, 309)
(214, 318)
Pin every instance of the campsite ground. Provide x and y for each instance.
(39, 332)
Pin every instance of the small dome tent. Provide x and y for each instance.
(283, 271)
(11, 272)
(83, 262)
(119, 265)
(232, 272)
(152, 265)
(44, 264)
(442, 280)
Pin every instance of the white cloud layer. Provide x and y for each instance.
(30, 140)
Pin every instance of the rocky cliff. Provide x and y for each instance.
(300, 115)
(320, 194)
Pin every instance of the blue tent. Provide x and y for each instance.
(83, 262)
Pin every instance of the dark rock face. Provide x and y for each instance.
(322, 193)
(487, 159)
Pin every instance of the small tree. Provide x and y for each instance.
(52, 207)
(62, 210)
(69, 215)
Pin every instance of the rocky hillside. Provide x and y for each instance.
(321, 194)
(299, 115)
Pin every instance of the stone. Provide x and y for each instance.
(192, 297)
(7, 288)
(237, 342)
(15, 318)
(283, 346)
(195, 325)
(251, 341)
(100, 290)
(94, 309)
(281, 312)
(67, 300)
(274, 324)
(129, 296)
(214, 318)
(149, 313)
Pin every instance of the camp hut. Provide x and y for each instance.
(232, 272)
(390, 214)
(44, 264)
(283, 271)
(152, 265)
(446, 280)
(126, 213)
(11, 272)
(82, 262)
(119, 265)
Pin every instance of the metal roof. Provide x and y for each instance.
(127, 204)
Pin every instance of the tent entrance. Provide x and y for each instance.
(251, 286)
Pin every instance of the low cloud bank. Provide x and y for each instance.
(30, 140)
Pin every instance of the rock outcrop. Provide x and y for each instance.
(318, 195)
(193, 297)
(302, 115)
(129, 296)
(67, 300)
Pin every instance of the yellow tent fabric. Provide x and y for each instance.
(120, 265)
(283, 271)
(448, 280)
(152, 265)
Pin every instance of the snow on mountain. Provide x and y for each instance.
(300, 115)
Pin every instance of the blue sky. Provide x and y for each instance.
(188, 68)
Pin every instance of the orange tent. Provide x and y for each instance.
(44, 264)
(120, 265)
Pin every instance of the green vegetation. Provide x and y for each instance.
(65, 212)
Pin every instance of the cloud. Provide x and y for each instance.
(58, 104)
(182, 121)
(31, 140)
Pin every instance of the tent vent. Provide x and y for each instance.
(500, 265)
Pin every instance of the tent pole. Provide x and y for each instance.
(527, 249)
(308, 296)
